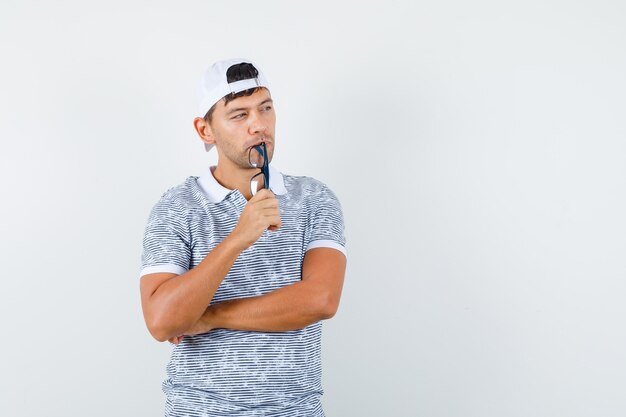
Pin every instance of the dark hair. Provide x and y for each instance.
(237, 72)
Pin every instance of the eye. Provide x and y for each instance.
(267, 108)
(238, 116)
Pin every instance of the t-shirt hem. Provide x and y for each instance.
(327, 244)
(173, 268)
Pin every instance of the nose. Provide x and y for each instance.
(257, 124)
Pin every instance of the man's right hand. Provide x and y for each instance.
(261, 213)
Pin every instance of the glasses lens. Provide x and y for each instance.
(257, 157)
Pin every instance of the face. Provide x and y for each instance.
(242, 123)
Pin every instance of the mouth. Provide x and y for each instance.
(258, 141)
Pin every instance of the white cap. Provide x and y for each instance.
(214, 85)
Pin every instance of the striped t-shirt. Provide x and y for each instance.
(241, 373)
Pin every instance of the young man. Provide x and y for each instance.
(238, 275)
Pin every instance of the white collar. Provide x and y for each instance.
(216, 192)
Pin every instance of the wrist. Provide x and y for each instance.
(234, 243)
(210, 318)
(203, 325)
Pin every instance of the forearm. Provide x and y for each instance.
(289, 308)
(182, 300)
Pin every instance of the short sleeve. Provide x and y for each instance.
(166, 241)
(327, 227)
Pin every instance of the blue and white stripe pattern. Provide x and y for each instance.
(239, 373)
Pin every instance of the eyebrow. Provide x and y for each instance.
(267, 100)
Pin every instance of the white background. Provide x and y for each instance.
(478, 149)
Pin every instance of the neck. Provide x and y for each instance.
(236, 178)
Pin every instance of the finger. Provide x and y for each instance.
(266, 202)
(270, 215)
(274, 222)
(267, 205)
(262, 194)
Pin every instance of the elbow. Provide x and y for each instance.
(159, 336)
(159, 330)
(327, 306)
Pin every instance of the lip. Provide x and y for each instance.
(258, 142)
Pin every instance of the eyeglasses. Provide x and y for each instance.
(257, 157)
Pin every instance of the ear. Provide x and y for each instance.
(204, 130)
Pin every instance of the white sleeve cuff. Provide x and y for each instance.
(327, 244)
(173, 268)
